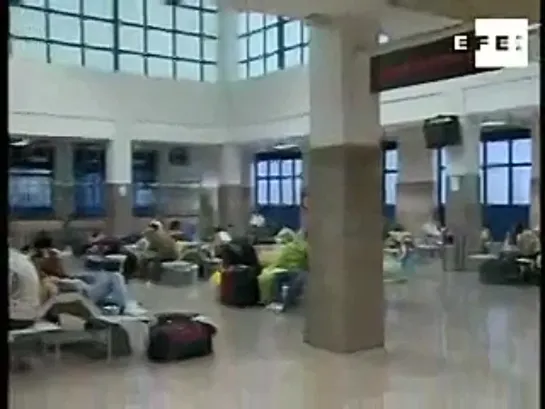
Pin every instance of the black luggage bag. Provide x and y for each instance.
(239, 287)
(180, 336)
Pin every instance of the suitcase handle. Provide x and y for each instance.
(182, 317)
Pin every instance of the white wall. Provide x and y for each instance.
(55, 101)
(283, 108)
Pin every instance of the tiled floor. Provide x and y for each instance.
(451, 344)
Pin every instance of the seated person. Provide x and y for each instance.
(161, 247)
(432, 232)
(24, 291)
(221, 237)
(528, 243)
(99, 287)
(175, 231)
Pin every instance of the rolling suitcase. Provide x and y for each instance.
(239, 287)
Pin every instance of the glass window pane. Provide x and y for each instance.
(210, 23)
(271, 39)
(210, 72)
(98, 33)
(65, 28)
(188, 46)
(131, 38)
(270, 19)
(63, 54)
(522, 179)
(497, 180)
(159, 14)
(272, 63)
(193, 3)
(27, 23)
(242, 23)
(298, 167)
(242, 70)
(256, 68)
(209, 4)
(481, 186)
(497, 152)
(390, 188)
(65, 5)
(187, 20)
(298, 190)
(292, 33)
(188, 70)
(262, 168)
(255, 47)
(522, 150)
(390, 159)
(35, 50)
(481, 153)
(36, 3)
(287, 167)
(306, 33)
(160, 67)
(210, 49)
(160, 43)
(274, 168)
(287, 191)
(132, 11)
(262, 192)
(99, 60)
(292, 57)
(255, 21)
(30, 188)
(242, 48)
(99, 8)
(274, 191)
(131, 63)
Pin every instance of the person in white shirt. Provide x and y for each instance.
(24, 291)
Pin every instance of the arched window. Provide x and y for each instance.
(279, 186)
(506, 174)
(89, 177)
(31, 178)
(144, 179)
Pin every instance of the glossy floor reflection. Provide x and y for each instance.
(451, 343)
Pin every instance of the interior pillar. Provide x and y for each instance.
(119, 186)
(234, 190)
(344, 297)
(463, 209)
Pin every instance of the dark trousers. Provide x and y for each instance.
(20, 324)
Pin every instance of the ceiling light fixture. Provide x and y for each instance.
(284, 146)
(490, 124)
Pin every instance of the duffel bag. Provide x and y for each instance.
(239, 287)
(179, 336)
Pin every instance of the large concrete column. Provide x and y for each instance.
(535, 214)
(344, 298)
(463, 209)
(64, 189)
(234, 189)
(415, 184)
(119, 184)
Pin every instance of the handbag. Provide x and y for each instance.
(180, 336)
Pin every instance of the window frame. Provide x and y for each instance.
(389, 171)
(278, 23)
(200, 60)
(294, 176)
(80, 169)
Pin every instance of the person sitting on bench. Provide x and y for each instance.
(485, 240)
(24, 291)
(161, 247)
(99, 287)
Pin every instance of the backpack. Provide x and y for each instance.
(180, 336)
